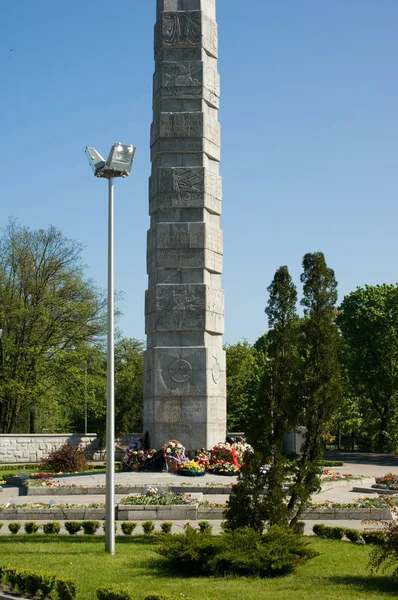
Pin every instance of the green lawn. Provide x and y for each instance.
(339, 572)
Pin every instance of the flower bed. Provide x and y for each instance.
(388, 482)
(157, 499)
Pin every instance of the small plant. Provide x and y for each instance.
(226, 527)
(31, 527)
(14, 527)
(376, 537)
(353, 535)
(90, 527)
(335, 533)
(148, 527)
(205, 527)
(73, 527)
(319, 529)
(1, 524)
(114, 594)
(166, 527)
(188, 528)
(67, 459)
(128, 527)
(66, 589)
(51, 528)
(298, 527)
(104, 526)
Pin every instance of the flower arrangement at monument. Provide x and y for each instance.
(388, 482)
(191, 468)
(224, 459)
(242, 449)
(202, 457)
(134, 458)
(174, 454)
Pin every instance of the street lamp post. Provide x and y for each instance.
(118, 164)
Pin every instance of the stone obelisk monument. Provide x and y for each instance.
(184, 382)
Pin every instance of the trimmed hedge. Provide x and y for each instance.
(73, 527)
(128, 527)
(330, 463)
(32, 583)
(51, 527)
(114, 594)
(375, 537)
(90, 527)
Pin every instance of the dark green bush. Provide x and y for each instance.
(27, 582)
(66, 589)
(330, 463)
(205, 527)
(90, 527)
(1, 524)
(376, 537)
(128, 527)
(148, 527)
(104, 526)
(319, 530)
(31, 527)
(166, 527)
(14, 527)
(298, 528)
(73, 527)
(353, 535)
(334, 533)
(243, 552)
(114, 594)
(67, 459)
(51, 527)
(188, 528)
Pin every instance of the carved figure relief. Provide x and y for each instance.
(182, 74)
(180, 371)
(179, 308)
(185, 183)
(182, 28)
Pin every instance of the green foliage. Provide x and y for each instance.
(385, 555)
(90, 527)
(318, 529)
(52, 527)
(148, 527)
(14, 527)
(114, 594)
(26, 582)
(244, 372)
(166, 527)
(375, 537)
(298, 527)
(73, 527)
(368, 320)
(320, 377)
(66, 459)
(353, 535)
(31, 527)
(128, 527)
(205, 527)
(246, 506)
(331, 533)
(1, 524)
(129, 369)
(330, 463)
(66, 589)
(47, 311)
(243, 552)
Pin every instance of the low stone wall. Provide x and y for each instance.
(120, 490)
(176, 512)
(51, 514)
(346, 514)
(31, 448)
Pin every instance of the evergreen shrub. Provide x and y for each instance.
(128, 527)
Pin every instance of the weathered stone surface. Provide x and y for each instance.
(184, 381)
(31, 448)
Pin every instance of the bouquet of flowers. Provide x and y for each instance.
(202, 458)
(223, 456)
(174, 454)
(134, 458)
(191, 466)
(242, 448)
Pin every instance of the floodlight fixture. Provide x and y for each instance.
(118, 163)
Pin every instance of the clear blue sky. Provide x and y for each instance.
(309, 138)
